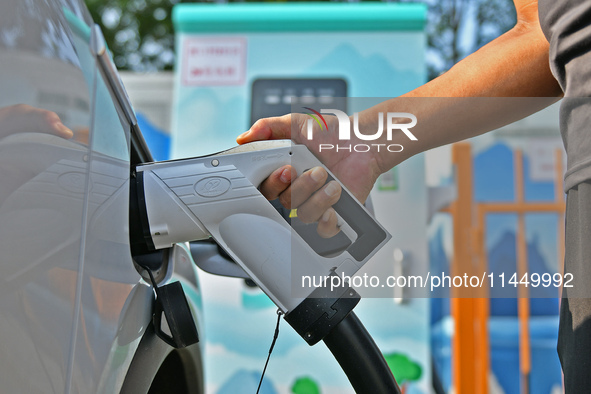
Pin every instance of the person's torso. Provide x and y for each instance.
(567, 26)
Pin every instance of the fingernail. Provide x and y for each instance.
(331, 189)
(61, 128)
(317, 174)
(243, 135)
(285, 176)
(326, 216)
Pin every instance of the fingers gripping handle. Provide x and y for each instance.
(370, 234)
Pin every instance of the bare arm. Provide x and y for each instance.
(513, 65)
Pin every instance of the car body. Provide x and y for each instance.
(75, 310)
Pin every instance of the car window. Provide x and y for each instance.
(109, 131)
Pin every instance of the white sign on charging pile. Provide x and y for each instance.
(214, 61)
(359, 43)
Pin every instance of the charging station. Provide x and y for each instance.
(237, 63)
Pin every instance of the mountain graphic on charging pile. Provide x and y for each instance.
(345, 57)
(494, 181)
(502, 259)
(215, 130)
(494, 177)
(244, 381)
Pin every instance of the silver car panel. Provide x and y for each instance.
(73, 308)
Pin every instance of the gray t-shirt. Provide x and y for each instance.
(567, 26)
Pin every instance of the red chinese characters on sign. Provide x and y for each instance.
(214, 61)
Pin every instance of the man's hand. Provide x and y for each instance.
(308, 192)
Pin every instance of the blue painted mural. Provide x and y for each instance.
(494, 182)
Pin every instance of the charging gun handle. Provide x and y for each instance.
(370, 234)
(217, 195)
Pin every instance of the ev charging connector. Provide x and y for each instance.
(217, 196)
